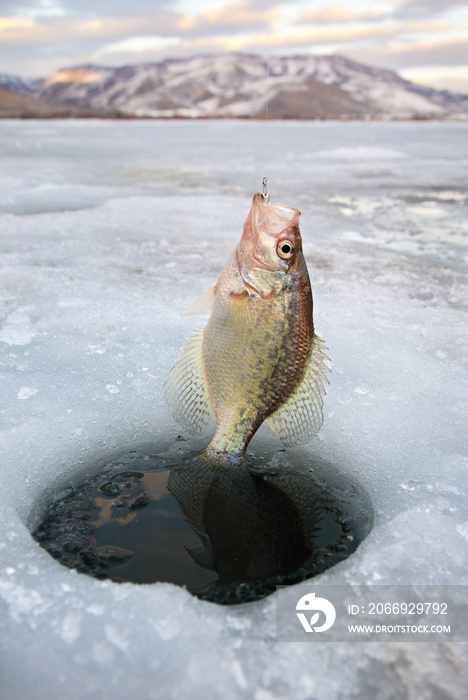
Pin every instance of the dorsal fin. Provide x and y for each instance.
(186, 391)
(300, 417)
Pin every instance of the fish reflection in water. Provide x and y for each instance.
(227, 535)
(250, 528)
(262, 530)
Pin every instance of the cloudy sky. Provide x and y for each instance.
(424, 40)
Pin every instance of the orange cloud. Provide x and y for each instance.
(306, 36)
(66, 30)
(239, 13)
(8, 24)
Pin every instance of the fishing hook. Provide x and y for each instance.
(265, 195)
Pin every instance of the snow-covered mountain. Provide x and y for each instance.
(17, 105)
(241, 85)
(16, 84)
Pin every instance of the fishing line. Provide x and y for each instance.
(267, 105)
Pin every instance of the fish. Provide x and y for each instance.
(258, 357)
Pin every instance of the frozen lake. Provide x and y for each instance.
(108, 231)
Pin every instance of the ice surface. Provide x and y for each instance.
(108, 231)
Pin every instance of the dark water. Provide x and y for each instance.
(227, 535)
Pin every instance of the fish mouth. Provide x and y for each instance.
(271, 218)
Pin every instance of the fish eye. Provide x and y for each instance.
(285, 249)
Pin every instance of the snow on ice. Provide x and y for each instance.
(108, 231)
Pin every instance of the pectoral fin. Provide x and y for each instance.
(239, 310)
(202, 305)
(300, 418)
(186, 390)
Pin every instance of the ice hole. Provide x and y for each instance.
(229, 535)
